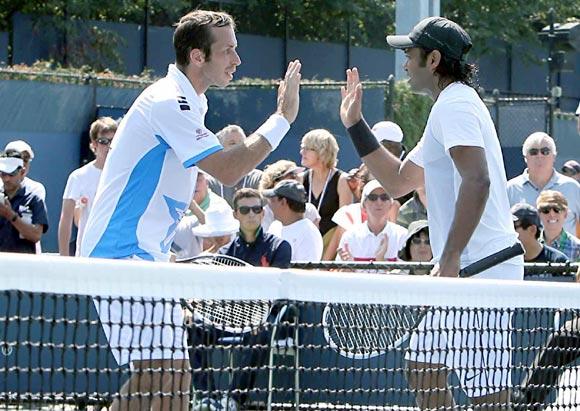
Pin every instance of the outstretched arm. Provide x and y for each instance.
(230, 166)
(398, 178)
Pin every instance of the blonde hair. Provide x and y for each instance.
(273, 172)
(102, 125)
(537, 138)
(551, 197)
(324, 144)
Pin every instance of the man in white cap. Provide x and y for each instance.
(390, 135)
(23, 217)
(23, 148)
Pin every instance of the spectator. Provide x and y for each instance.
(230, 137)
(553, 209)
(353, 180)
(288, 202)
(539, 151)
(203, 196)
(81, 186)
(414, 209)
(349, 215)
(325, 185)
(377, 239)
(218, 230)
(571, 168)
(417, 247)
(23, 217)
(27, 155)
(390, 136)
(528, 226)
(251, 244)
(273, 174)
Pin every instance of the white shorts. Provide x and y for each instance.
(143, 330)
(476, 344)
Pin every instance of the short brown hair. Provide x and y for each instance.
(102, 125)
(193, 32)
(247, 193)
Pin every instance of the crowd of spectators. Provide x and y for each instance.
(308, 212)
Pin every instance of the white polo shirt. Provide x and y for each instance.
(146, 184)
(81, 187)
(303, 236)
(363, 244)
(460, 118)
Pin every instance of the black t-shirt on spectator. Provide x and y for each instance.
(547, 255)
(31, 209)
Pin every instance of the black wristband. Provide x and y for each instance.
(363, 138)
(14, 218)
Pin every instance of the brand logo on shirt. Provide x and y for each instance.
(200, 133)
(183, 104)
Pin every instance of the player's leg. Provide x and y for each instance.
(429, 383)
(427, 371)
(156, 385)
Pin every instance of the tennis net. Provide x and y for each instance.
(79, 332)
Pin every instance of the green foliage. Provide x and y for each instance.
(514, 22)
(411, 112)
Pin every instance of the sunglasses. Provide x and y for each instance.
(104, 141)
(569, 171)
(246, 209)
(546, 209)
(535, 151)
(375, 197)
(418, 240)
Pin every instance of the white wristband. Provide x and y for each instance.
(274, 129)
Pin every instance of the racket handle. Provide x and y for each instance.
(492, 260)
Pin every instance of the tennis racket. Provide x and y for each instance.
(231, 316)
(363, 331)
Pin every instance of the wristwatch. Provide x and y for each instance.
(14, 218)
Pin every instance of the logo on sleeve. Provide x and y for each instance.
(200, 133)
(183, 104)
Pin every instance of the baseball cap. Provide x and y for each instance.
(10, 164)
(435, 33)
(525, 213)
(20, 146)
(288, 189)
(369, 188)
(571, 166)
(387, 130)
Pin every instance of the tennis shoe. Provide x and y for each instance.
(208, 404)
(228, 404)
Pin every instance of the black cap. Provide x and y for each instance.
(435, 33)
(291, 189)
(526, 214)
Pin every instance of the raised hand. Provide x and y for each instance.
(345, 254)
(382, 248)
(351, 106)
(289, 92)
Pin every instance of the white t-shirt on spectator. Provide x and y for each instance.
(81, 187)
(311, 213)
(460, 118)
(363, 244)
(303, 236)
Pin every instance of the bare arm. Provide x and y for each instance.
(65, 225)
(473, 193)
(344, 193)
(396, 177)
(230, 166)
(30, 232)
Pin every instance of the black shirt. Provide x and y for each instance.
(267, 251)
(31, 208)
(547, 255)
